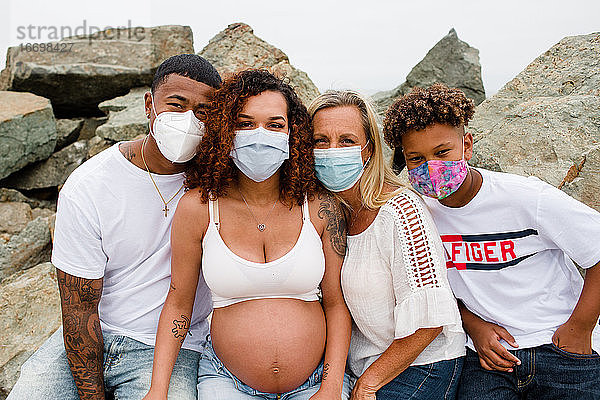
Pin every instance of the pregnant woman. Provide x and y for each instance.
(407, 340)
(268, 243)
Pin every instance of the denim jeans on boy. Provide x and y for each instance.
(546, 372)
(215, 382)
(435, 381)
(127, 372)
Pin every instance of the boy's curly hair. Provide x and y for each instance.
(213, 170)
(421, 108)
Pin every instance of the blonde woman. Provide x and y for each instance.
(407, 338)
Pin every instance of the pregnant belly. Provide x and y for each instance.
(272, 345)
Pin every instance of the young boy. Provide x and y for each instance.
(511, 242)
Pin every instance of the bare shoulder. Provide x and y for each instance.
(192, 212)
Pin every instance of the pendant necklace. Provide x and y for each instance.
(166, 203)
(260, 226)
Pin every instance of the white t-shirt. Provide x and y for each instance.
(394, 282)
(509, 254)
(110, 224)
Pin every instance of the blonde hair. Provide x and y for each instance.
(377, 172)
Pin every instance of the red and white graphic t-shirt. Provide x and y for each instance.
(510, 254)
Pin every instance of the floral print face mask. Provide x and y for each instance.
(438, 178)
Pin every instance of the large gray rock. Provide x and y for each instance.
(546, 121)
(12, 195)
(95, 68)
(26, 249)
(237, 48)
(29, 314)
(52, 172)
(68, 131)
(14, 217)
(27, 130)
(451, 62)
(90, 125)
(126, 116)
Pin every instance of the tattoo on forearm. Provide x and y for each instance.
(180, 328)
(331, 212)
(82, 334)
(325, 371)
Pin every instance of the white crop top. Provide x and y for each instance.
(233, 279)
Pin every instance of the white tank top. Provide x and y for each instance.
(233, 279)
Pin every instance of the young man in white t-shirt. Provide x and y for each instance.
(511, 244)
(112, 253)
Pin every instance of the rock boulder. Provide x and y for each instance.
(27, 130)
(52, 172)
(26, 249)
(237, 48)
(29, 314)
(451, 62)
(14, 217)
(546, 121)
(90, 69)
(126, 116)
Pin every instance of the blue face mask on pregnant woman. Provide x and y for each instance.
(259, 152)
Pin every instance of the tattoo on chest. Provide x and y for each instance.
(180, 328)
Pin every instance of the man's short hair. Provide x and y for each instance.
(421, 108)
(189, 65)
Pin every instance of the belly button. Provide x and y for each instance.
(275, 370)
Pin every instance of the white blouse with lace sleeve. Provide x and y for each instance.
(394, 283)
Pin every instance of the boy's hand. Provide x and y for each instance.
(486, 339)
(573, 338)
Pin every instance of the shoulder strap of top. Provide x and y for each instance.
(305, 210)
(213, 211)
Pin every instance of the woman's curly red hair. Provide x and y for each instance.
(213, 170)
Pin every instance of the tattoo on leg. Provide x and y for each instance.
(180, 328)
(331, 211)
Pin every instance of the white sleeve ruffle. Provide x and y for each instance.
(427, 308)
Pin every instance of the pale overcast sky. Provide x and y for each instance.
(366, 45)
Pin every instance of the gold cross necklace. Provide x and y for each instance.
(165, 209)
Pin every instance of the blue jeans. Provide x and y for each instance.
(546, 372)
(215, 382)
(436, 381)
(127, 372)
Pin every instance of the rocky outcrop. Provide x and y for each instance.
(11, 195)
(29, 314)
(27, 130)
(126, 116)
(91, 69)
(28, 248)
(451, 62)
(67, 131)
(237, 48)
(14, 217)
(546, 121)
(49, 173)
